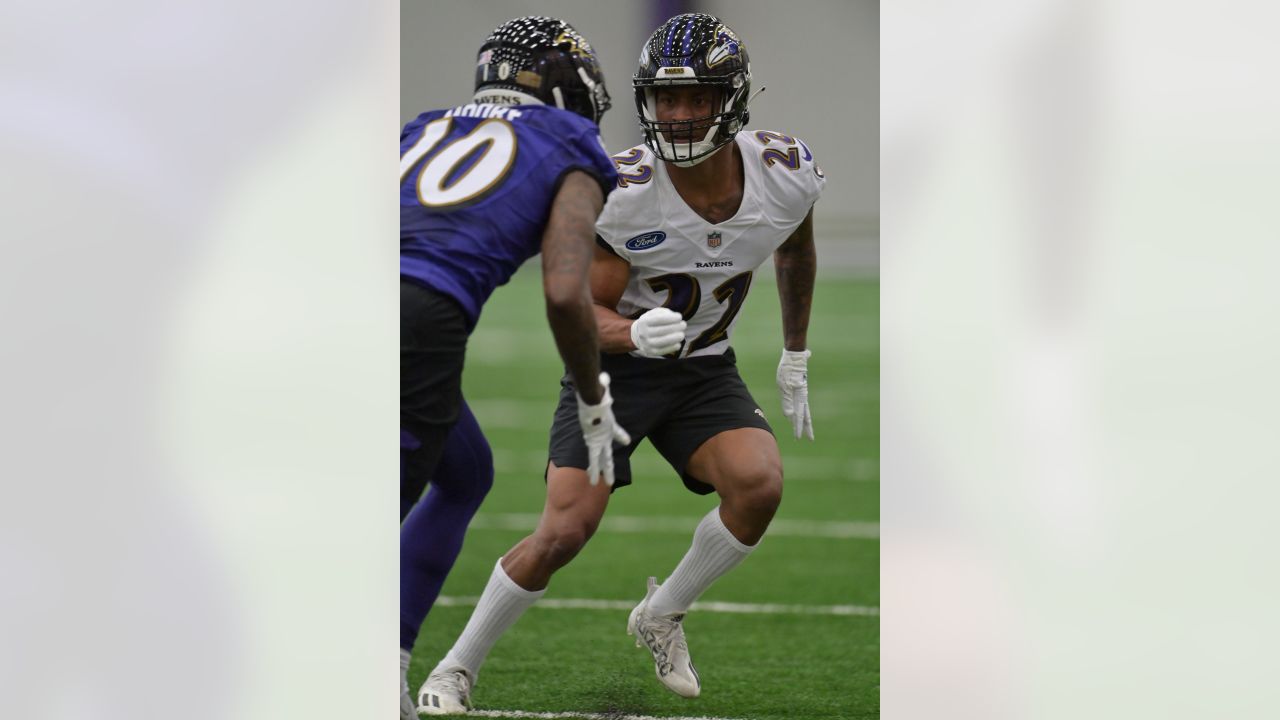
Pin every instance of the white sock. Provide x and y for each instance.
(501, 604)
(715, 551)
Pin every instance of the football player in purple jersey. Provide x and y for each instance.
(520, 169)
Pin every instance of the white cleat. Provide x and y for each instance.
(446, 692)
(664, 637)
(407, 711)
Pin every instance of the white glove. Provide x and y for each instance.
(600, 431)
(658, 332)
(793, 385)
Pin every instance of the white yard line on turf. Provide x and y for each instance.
(570, 715)
(715, 607)
(636, 524)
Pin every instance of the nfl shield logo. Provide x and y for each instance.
(713, 239)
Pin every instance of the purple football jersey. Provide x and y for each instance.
(476, 185)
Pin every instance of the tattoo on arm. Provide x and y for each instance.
(796, 265)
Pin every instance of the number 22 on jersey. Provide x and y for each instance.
(684, 295)
(466, 168)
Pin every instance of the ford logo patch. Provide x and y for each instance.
(646, 241)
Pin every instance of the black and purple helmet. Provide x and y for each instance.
(545, 59)
(693, 49)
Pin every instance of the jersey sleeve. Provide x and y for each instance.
(623, 219)
(410, 131)
(587, 153)
(611, 227)
(811, 178)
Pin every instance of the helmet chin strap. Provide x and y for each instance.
(591, 92)
(690, 163)
(698, 148)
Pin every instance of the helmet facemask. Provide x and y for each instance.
(572, 83)
(688, 142)
(693, 50)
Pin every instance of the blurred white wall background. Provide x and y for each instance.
(1079, 353)
(1079, 349)
(198, 360)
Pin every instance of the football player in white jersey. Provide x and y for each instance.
(699, 208)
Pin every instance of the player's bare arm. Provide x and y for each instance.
(609, 275)
(658, 332)
(795, 264)
(566, 259)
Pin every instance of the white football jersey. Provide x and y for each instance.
(699, 269)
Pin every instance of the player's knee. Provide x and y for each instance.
(476, 485)
(761, 489)
(562, 542)
(483, 476)
(465, 471)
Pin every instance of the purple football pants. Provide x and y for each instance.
(431, 536)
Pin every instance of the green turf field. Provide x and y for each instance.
(765, 666)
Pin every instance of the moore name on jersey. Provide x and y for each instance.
(476, 184)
